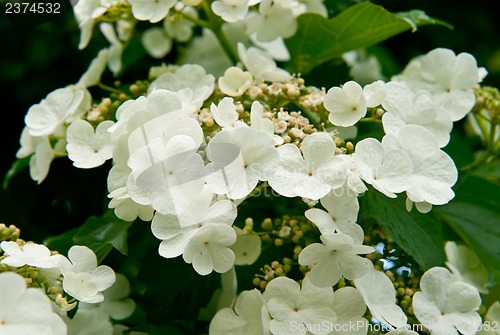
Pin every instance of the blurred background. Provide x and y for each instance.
(39, 53)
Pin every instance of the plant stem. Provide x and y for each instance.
(199, 22)
(108, 88)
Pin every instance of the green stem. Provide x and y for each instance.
(108, 88)
(491, 145)
(483, 157)
(199, 22)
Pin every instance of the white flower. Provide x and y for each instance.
(312, 176)
(387, 169)
(434, 172)
(60, 106)
(202, 233)
(247, 247)
(166, 174)
(116, 304)
(259, 122)
(347, 105)
(31, 254)
(349, 306)
(89, 321)
(354, 181)
(446, 305)
(272, 21)
(235, 81)
(93, 74)
(83, 279)
(85, 13)
(144, 119)
(290, 305)
(42, 154)
(464, 264)
(225, 114)
(115, 50)
(86, 148)
(449, 77)
(208, 249)
(152, 10)
(261, 65)
(190, 80)
(26, 310)
(337, 256)
(329, 225)
(405, 107)
(156, 42)
(240, 158)
(380, 297)
(180, 28)
(230, 10)
(125, 208)
(249, 317)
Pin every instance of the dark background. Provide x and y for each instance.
(40, 54)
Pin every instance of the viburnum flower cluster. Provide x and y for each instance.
(40, 286)
(199, 139)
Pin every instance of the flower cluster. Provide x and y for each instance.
(198, 140)
(41, 286)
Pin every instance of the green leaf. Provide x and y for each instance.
(419, 235)
(103, 233)
(318, 39)
(18, 165)
(474, 216)
(479, 227)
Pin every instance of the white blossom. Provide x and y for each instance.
(290, 305)
(386, 169)
(405, 107)
(230, 10)
(190, 80)
(446, 305)
(31, 254)
(86, 11)
(464, 264)
(273, 20)
(349, 306)
(247, 247)
(312, 174)
(115, 49)
(202, 233)
(380, 297)
(249, 317)
(448, 77)
(92, 76)
(260, 64)
(26, 310)
(235, 81)
(83, 279)
(434, 172)
(336, 257)
(348, 104)
(240, 158)
(60, 106)
(151, 10)
(156, 42)
(88, 148)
